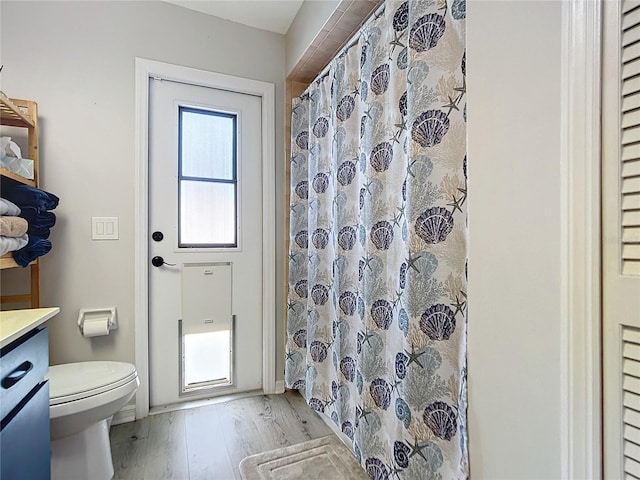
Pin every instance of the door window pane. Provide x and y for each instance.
(207, 214)
(207, 179)
(207, 144)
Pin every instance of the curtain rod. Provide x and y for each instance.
(350, 43)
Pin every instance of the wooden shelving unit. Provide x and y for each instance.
(22, 114)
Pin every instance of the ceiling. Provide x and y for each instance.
(272, 15)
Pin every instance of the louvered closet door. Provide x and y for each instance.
(621, 239)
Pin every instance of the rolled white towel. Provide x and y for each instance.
(8, 208)
(11, 244)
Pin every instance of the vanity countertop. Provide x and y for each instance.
(15, 323)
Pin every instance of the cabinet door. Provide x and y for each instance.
(28, 354)
(25, 451)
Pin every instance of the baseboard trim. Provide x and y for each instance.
(126, 415)
(279, 386)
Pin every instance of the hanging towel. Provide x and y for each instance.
(13, 226)
(24, 195)
(11, 244)
(36, 247)
(8, 208)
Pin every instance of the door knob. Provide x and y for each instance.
(158, 261)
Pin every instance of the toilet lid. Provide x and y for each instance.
(72, 381)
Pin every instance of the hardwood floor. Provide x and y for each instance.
(209, 442)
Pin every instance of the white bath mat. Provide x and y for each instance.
(322, 458)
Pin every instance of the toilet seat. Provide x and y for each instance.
(75, 381)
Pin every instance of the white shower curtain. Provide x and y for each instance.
(376, 325)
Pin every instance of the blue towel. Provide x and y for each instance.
(34, 249)
(37, 217)
(38, 231)
(40, 222)
(26, 196)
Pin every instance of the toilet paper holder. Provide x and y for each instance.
(107, 317)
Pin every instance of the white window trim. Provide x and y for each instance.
(144, 70)
(580, 373)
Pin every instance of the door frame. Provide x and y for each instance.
(581, 317)
(144, 71)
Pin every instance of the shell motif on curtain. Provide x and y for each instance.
(376, 315)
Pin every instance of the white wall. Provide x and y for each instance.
(76, 59)
(513, 84)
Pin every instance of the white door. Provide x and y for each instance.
(621, 239)
(205, 226)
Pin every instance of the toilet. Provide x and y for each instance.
(83, 397)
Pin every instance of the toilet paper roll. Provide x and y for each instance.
(95, 327)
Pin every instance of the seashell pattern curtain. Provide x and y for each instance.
(376, 317)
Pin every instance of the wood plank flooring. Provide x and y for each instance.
(209, 442)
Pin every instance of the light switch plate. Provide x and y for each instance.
(104, 228)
